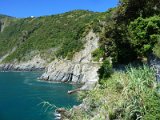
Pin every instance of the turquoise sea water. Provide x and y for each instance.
(22, 96)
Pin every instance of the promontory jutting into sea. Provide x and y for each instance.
(80, 60)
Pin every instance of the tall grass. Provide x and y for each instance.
(130, 95)
(142, 99)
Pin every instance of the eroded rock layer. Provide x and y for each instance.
(81, 69)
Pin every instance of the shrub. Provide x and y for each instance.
(144, 33)
(97, 54)
(106, 69)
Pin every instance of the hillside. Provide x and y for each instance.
(5, 16)
(56, 36)
(94, 49)
(131, 31)
(130, 34)
(4, 21)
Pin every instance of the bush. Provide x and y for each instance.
(144, 34)
(97, 54)
(106, 69)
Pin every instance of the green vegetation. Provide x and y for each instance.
(5, 21)
(97, 54)
(130, 95)
(106, 69)
(156, 49)
(5, 16)
(144, 34)
(51, 36)
(130, 31)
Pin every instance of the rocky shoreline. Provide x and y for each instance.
(35, 64)
(12, 67)
(80, 70)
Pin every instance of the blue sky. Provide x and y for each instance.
(25, 8)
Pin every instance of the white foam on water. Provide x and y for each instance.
(27, 82)
(57, 116)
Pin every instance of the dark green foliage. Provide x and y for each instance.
(106, 69)
(130, 31)
(129, 10)
(144, 33)
(114, 41)
(56, 35)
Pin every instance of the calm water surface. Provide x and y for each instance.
(22, 95)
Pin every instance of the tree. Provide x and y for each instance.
(144, 34)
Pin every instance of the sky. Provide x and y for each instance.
(26, 8)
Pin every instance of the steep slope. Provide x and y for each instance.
(81, 69)
(62, 44)
(56, 36)
(4, 21)
(131, 33)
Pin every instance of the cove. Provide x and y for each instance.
(21, 96)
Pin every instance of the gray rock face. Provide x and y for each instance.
(3, 24)
(154, 62)
(80, 69)
(68, 71)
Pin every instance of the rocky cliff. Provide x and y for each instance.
(2, 25)
(4, 22)
(55, 36)
(80, 69)
(68, 35)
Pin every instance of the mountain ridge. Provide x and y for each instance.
(26, 34)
